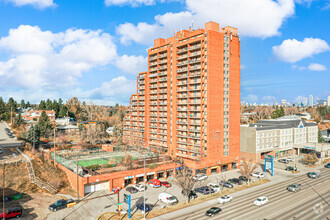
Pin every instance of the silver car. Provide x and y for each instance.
(294, 187)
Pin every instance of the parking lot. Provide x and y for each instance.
(90, 209)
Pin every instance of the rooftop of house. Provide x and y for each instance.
(281, 124)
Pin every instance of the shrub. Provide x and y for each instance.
(93, 167)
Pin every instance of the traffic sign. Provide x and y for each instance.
(119, 203)
(126, 198)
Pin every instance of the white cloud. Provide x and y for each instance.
(256, 18)
(41, 4)
(292, 50)
(132, 64)
(133, 3)
(39, 58)
(251, 99)
(316, 67)
(43, 58)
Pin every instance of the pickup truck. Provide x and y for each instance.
(61, 204)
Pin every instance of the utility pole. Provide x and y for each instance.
(118, 203)
(144, 191)
(77, 180)
(55, 148)
(3, 190)
(11, 115)
(294, 160)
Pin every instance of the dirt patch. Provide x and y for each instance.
(181, 205)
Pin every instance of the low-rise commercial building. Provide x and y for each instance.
(275, 137)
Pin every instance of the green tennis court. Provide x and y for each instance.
(99, 161)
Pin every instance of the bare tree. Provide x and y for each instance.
(93, 134)
(128, 161)
(246, 168)
(184, 180)
(310, 159)
(222, 179)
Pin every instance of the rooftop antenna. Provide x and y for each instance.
(192, 24)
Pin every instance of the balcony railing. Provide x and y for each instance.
(193, 88)
(153, 75)
(164, 67)
(162, 55)
(195, 68)
(182, 76)
(181, 70)
(195, 54)
(163, 73)
(184, 82)
(183, 63)
(192, 61)
(182, 57)
(194, 81)
(195, 74)
(194, 109)
(163, 79)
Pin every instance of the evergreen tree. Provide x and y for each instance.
(5, 116)
(42, 105)
(23, 106)
(320, 138)
(56, 107)
(2, 106)
(28, 104)
(282, 113)
(44, 124)
(11, 105)
(19, 120)
(49, 104)
(60, 102)
(33, 135)
(63, 111)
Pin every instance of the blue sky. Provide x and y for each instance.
(94, 49)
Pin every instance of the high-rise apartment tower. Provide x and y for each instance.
(188, 102)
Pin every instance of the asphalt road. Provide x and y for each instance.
(312, 202)
(5, 140)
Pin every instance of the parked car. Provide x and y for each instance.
(226, 184)
(235, 181)
(140, 187)
(213, 211)
(11, 213)
(327, 165)
(291, 168)
(154, 183)
(314, 174)
(141, 207)
(204, 190)
(294, 187)
(258, 175)
(215, 187)
(200, 177)
(192, 195)
(291, 159)
(243, 178)
(60, 204)
(224, 199)
(131, 189)
(167, 198)
(1, 151)
(166, 184)
(261, 201)
(285, 161)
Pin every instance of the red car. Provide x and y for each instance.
(13, 212)
(166, 184)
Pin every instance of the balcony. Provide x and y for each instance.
(163, 127)
(162, 109)
(153, 138)
(153, 75)
(133, 103)
(141, 82)
(183, 63)
(164, 67)
(195, 150)
(182, 148)
(183, 50)
(182, 109)
(153, 91)
(195, 116)
(153, 81)
(182, 57)
(182, 135)
(153, 64)
(184, 89)
(193, 102)
(182, 76)
(182, 82)
(141, 87)
(141, 103)
(182, 116)
(194, 81)
(182, 122)
(195, 54)
(153, 69)
(141, 109)
(162, 103)
(162, 85)
(194, 109)
(162, 91)
(192, 61)
(162, 133)
(197, 130)
(195, 137)
(163, 61)
(197, 67)
(154, 97)
(194, 88)
(153, 86)
(153, 103)
(182, 128)
(195, 122)
(163, 73)
(195, 74)
(141, 77)
(195, 95)
(182, 142)
(162, 55)
(163, 79)
(182, 103)
(181, 70)
(141, 98)
(195, 47)
(162, 97)
(151, 58)
(183, 96)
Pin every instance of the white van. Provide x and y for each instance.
(167, 198)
